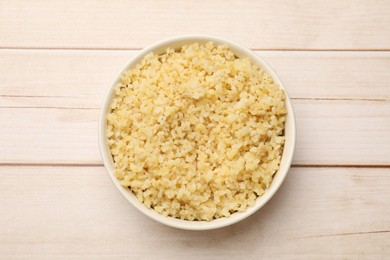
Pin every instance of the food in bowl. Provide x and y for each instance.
(196, 133)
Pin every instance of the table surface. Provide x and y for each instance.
(57, 59)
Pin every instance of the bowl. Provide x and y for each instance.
(288, 151)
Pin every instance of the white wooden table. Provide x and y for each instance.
(57, 58)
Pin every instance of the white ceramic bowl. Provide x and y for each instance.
(240, 51)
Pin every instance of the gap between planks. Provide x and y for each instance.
(346, 234)
(97, 108)
(22, 48)
(380, 166)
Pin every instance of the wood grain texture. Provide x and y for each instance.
(77, 212)
(57, 58)
(328, 133)
(352, 24)
(79, 79)
(50, 103)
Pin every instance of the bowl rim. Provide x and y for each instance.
(185, 224)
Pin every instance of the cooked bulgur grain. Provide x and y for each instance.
(196, 134)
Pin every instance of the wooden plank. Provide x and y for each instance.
(49, 136)
(329, 132)
(257, 24)
(79, 79)
(333, 75)
(321, 213)
(57, 78)
(342, 133)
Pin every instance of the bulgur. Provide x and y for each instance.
(197, 133)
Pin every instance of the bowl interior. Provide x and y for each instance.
(176, 43)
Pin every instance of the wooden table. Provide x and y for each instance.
(57, 59)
